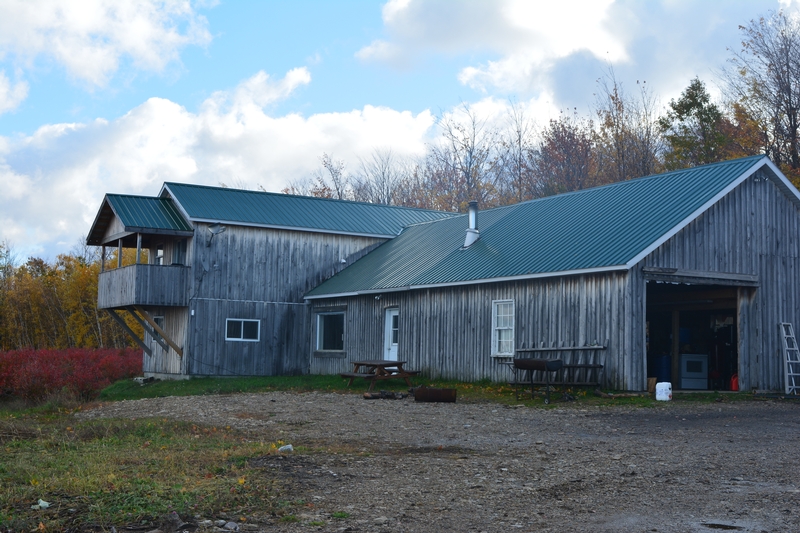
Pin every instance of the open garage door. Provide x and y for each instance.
(692, 337)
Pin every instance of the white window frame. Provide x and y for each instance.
(496, 329)
(320, 331)
(242, 321)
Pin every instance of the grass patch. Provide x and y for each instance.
(130, 390)
(479, 391)
(115, 472)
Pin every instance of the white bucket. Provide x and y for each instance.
(664, 391)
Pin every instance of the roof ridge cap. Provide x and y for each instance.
(632, 180)
(304, 197)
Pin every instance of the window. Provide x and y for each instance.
(330, 331)
(159, 258)
(503, 327)
(238, 329)
(179, 252)
(395, 328)
(159, 320)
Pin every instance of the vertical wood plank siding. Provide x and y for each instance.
(148, 285)
(446, 332)
(115, 227)
(753, 230)
(257, 273)
(163, 361)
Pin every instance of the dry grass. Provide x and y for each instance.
(127, 472)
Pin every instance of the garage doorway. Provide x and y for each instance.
(691, 335)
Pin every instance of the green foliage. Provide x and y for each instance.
(693, 129)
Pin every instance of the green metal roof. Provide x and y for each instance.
(143, 214)
(605, 228)
(235, 206)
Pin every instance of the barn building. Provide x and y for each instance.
(220, 289)
(683, 276)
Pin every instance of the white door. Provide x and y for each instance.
(392, 333)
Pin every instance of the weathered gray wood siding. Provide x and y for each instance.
(256, 273)
(167, 361)
(447, 332)
(753, 230)
(115, 228)
(149, 285)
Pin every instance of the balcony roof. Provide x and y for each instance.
(136, 214)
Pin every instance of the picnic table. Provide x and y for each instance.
(375, 369)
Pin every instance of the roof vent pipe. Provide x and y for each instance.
(472, 231)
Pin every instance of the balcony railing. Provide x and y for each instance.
(153, 285)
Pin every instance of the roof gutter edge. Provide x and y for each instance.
(471, 282)
(290, 228)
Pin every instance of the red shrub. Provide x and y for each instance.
(33, 374)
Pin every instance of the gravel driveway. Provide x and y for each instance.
(678, 467)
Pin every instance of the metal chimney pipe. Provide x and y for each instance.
(472, 231)
(473, 215)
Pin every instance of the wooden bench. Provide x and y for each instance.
(353, 375)
(378, 369)
(577, 374)
(566, 377)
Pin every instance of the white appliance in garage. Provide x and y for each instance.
(694, 371)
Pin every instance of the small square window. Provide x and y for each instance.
(237, 329)
(330, 332)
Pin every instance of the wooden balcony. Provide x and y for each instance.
(151, 285)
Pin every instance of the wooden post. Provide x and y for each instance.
(138, 248)
(103, 258)
(676, 349)
(119, 253)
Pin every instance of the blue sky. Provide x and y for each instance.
(121, 95)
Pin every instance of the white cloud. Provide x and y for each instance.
(11, 95)
(382, 52)
(55, 178)
(550, 31)
(528, 36)
(90, 38)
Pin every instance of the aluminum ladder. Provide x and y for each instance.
(791, 359)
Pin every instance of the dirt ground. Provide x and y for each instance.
(432, 467)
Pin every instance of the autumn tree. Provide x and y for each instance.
(54, 305)
(379, 177)
(564, 159)
(627, 136)
(330, 180)
(517, 180)
(764, 79)
(464, 161)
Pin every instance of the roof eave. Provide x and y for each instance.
(539, 275)
(97, 241)
(291, 228)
